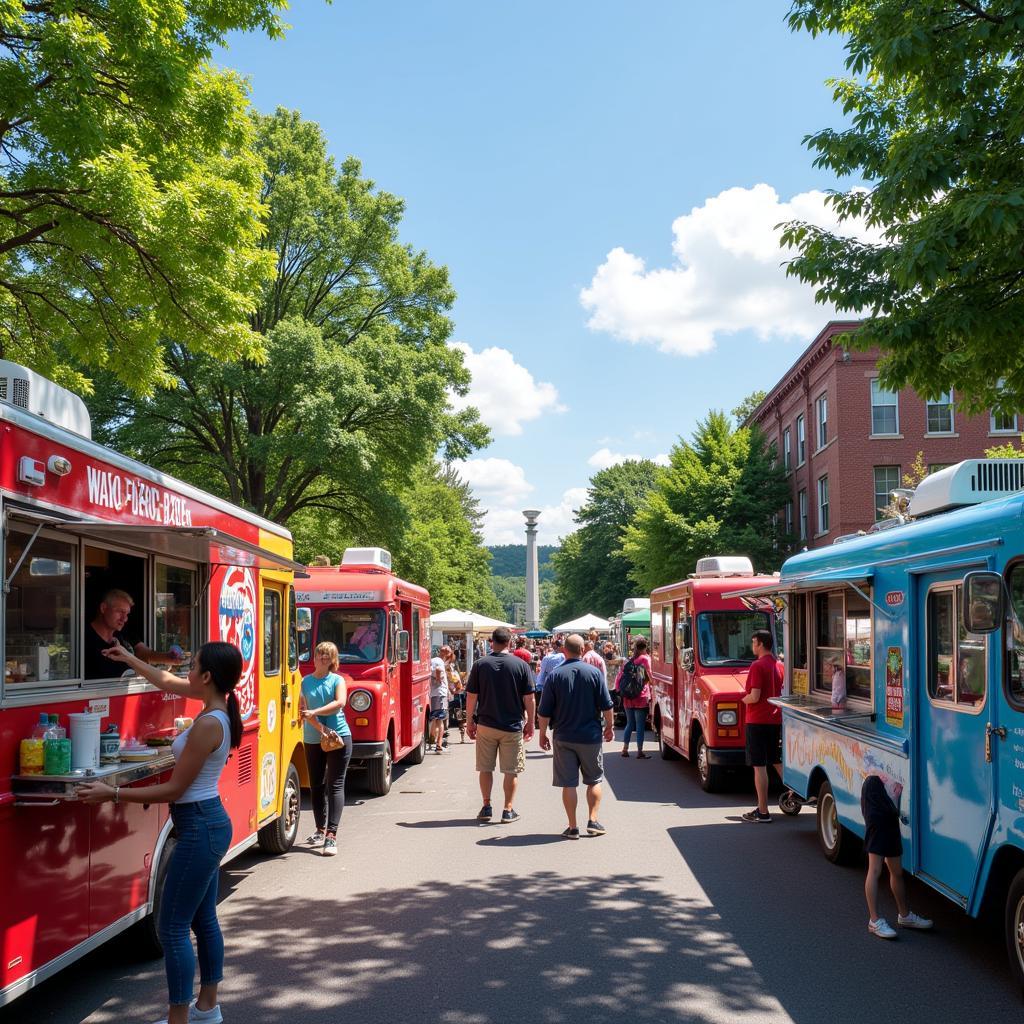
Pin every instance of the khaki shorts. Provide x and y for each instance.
(507, 748)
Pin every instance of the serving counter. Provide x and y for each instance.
(33, 789)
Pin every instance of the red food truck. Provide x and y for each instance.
(700, 653)
(381, 626)
(78, 521)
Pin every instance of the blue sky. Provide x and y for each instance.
(602, 180)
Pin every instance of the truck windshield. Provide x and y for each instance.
(358, 633)
(724, 637)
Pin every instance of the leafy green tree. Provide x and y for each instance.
(591, 572)
(746, 408)
(353, 394)
(1007, 450)
(129, 191)
(935, 100)
(718, 496)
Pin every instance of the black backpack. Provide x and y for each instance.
(634, 676)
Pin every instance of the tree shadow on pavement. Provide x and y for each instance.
(803, 923)
(538, 948)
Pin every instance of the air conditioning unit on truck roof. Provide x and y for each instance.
(25, 389)
(377, 558)
(723, 565)
(967, 483)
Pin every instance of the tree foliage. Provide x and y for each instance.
(353, 394)
(719, 495)
(591, 572)
(510, 560)
(129, 190)
(746, 408)
(935, 100)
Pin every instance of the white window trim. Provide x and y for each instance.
(895, 405)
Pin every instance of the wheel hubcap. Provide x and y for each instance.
(387, 762)
(292, 807)
(702, 761)
(1018, 921)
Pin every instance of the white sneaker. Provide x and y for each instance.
(197, 1016)
(882, 929)
(913, 920)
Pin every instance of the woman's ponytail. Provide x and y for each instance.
(224, 663)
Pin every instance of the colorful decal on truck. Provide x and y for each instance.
(894, 687)
(236, 613)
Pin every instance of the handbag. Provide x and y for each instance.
(330, 741)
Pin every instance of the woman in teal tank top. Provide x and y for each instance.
(324, 693)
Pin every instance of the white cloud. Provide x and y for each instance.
(662, 459)
(605, 457)
(727, 277)
(494, 480)
(504, 391)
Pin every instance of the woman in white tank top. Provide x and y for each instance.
(202, 827)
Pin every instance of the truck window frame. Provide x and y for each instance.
(954, 588)
(823, 689)
(1016, 701)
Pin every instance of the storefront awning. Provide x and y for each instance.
(194, 543)
(860, 576)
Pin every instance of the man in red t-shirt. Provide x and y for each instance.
(521, 651)
(763, 720)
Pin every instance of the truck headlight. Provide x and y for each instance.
(728, 718)
(360, 700)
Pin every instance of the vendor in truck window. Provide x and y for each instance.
(107, 629)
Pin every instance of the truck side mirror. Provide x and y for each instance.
(984, 605)
(688, 659)
(683, 639)
(403, 645)
(303, 619)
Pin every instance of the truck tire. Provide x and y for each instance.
(145, 935)
(419, 752)
(279, 835)
(378, 773)
(837, 842)
(667, 753)
(1015, 927)
(710, 776)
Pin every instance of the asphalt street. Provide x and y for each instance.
(682, 912)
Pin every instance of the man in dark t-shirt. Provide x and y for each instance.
(574, 701)
(499, 716)
(763, 720)
(107, 629)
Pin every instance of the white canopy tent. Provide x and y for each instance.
(454, 620)
(584, 624)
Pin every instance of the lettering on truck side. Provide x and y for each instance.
(116, 492)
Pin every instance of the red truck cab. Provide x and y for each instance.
(381, 627)
(700, 654)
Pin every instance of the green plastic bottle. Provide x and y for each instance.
(56, 749)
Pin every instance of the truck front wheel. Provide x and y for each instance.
(709, 775)
(379, 773)
(418, 753)
(1015, 927)
(280, 835)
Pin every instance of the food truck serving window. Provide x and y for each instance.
(358, 633)
(843, 642)
(40, 639)
(175, 609)
(957, 659)
(724, 637)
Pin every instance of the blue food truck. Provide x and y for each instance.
(922, 624)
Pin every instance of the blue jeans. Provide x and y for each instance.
(634, 717)
(190, 897)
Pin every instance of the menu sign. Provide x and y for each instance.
(894, 687)
(801, 682)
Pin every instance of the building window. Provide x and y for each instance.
(787, 449)
(801, 441)
(823, 504)
(789, 518)
(822, 410)
(887, 479)
(802, 502)
(940, 414)
(885, 410)
(1002, 423)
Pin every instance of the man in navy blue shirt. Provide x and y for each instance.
(577, 705)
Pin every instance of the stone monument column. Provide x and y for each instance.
(532, 580)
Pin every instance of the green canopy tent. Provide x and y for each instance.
(636, 623)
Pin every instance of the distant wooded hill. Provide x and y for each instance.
(510, 560)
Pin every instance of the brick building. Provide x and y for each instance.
(847, 442)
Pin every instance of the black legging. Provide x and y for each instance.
(327, 782)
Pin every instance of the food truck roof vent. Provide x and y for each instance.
(376, 558)
(32, 392)
(635, 604)
(724, 565)
(967, 483)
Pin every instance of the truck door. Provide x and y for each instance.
(410, 622)
(274, 692)
(954, 771)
